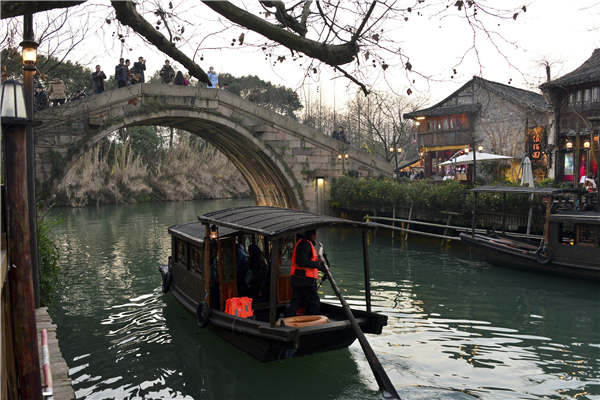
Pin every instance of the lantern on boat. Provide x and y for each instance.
(214, 232)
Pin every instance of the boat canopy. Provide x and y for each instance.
(195, 231)
(518, 189)
(272, 221)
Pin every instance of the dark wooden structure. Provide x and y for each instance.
(575, 102)
(570, 247)
(203, 273)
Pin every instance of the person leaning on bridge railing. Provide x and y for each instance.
(167, 73)
(98, 78)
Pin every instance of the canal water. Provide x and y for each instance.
(458, 327)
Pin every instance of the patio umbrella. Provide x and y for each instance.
(526, 173)
(468, 158)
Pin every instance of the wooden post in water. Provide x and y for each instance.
(273, 289)
(367, 269)
(503, 212)
(474, 214)
(408, 224)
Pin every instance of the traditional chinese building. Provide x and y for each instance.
(489, 115)
(575, 102)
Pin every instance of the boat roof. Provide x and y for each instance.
(517, 189)
(195, 231)
(273, 221)
(588, 217)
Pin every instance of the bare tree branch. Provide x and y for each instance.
(127, 15)
(329, 54)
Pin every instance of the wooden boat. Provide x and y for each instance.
(570, 245)
(202, 275)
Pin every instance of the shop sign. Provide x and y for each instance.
(536, 143)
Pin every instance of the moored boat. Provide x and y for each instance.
(202, 274)
(570, 245)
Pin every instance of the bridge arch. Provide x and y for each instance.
(264, 171)
(284, 163)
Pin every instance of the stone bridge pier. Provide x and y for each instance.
(285, 163)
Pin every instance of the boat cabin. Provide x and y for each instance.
(575, 236)
(246, 252)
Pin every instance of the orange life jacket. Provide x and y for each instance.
(310, 272)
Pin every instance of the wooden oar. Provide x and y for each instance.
(385, 385)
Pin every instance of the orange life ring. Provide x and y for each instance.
(305, 320)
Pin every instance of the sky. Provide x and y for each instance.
(562, 32)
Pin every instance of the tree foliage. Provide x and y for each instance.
(75, 75)
(277, 98)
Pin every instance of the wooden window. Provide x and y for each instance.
(181, 254)
(579, 97)
(451, 123)
(587, 235)
(567, 234)
(197, 258)
(445, 124)
(596, 94)
(572, 98)
(587, 95)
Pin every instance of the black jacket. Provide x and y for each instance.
(303, 259)
(98, 78)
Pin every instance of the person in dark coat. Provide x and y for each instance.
(306, 265)
(40, 100)
(138, 70)
(121, 73)
(258, 272)
(98, 77)
(167, 73)
(180, 79)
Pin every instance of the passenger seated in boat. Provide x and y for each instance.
(242, 270)
(258, 273)
(305, 272)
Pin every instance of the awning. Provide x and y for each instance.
(468, 158)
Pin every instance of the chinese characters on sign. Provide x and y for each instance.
(535, 143)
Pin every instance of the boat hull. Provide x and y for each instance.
(266, 343)
(505, 256)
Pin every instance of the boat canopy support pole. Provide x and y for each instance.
(207, 265)
(273, 291)
(367, 268)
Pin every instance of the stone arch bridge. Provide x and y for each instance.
(284, 162)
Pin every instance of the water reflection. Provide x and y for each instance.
(458, 327)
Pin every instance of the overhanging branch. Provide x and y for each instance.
(128, 15)
(330, 54)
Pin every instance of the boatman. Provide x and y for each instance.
(306, 265)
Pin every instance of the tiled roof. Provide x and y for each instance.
(587, 72)
(522, 97)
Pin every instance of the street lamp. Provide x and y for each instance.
(14, 111)
(480, 148)
(29, 53)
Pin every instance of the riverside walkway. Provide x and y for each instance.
(60, 372)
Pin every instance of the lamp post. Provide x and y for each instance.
(395, 150)
(15, 120)
(343, 157)
(29, 59)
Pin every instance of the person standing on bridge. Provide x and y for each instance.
(180, 79)
(167, 73)
(121, 73)
(213, 78)
(98, 77)
(57, 92)
(138, 70)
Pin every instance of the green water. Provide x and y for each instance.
(458, 327)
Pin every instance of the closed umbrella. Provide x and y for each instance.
(526, 173)
(527, 180)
